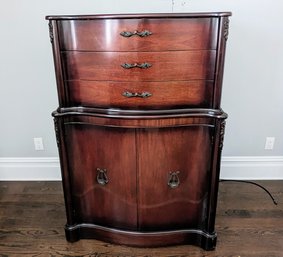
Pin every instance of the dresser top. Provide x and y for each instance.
(142, 15)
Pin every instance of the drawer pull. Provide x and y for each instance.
(142, 95)
(144, 33)
(101, 177)
(174, 180)
(144, 65)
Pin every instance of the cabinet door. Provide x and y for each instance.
(102, 168)
(173, 177)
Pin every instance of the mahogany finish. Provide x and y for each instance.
(115, 203)
(170, 65)
(182, 207)
(139, 125)
(167, 34)
(193, 93)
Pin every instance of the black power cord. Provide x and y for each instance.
(253, 183)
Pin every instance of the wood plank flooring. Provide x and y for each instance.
(32, 217)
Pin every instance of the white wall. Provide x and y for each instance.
(27, 81)
(253, 86)
(252, 90)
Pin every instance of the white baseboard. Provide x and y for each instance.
(29, 169)
(252, 167)
(234, 167)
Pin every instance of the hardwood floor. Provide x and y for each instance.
(32, 217)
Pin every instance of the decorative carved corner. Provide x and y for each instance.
(222, 132)
(51, 35)
(56, 126)
(226, 28)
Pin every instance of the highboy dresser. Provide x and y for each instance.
(139, 125)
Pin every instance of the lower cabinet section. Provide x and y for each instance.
(142, 182)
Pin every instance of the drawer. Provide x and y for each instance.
(166, 34)
(149, 95)
(146, 66)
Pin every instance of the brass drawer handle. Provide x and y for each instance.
(174, 180)
(144, 65)
(142, 95)
(101, 177)
(143, 33)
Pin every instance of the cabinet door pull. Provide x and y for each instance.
(144, 65)
(174, 180)
(142, 95)
(143, 33)
(101, 177)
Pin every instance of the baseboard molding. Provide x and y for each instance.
(30, 169)
(233, 167)
(252, 167)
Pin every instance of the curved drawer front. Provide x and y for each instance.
(141, 95)
(146, 66)
(148, 34)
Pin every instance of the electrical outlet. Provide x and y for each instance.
(269, 143)
(38, 144)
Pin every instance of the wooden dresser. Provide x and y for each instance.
(139, 125)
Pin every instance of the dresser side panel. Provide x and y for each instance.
(220, 58)
(59, 69)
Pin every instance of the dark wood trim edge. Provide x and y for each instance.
(215, 166)
(138, 16)
(141, 239)
(54, 39)
(140, 114)
(66, 182)
(220, 58)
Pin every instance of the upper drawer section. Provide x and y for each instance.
(142, 34)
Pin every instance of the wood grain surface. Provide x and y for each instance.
(166, 34)
(167, 94)
(165, 66)
(183, 207)
(32, 217)
(90, 148)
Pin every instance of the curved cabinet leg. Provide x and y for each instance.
(72, 233)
